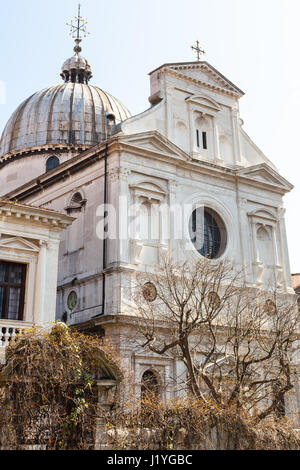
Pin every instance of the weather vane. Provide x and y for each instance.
(198, 50)
(78, 29)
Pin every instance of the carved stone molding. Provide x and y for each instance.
(243, 203)
(173, 186)
(162, 252)
(281, 211)
(136, 251)
(119, 174)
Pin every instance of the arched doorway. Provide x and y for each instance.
(150, 388)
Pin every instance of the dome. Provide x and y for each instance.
(66, 114)
(73, 113)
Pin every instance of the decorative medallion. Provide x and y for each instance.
(213, 300)
(72, 300)
(150, 292)
(270, 307)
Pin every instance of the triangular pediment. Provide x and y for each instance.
(205, 73)
(154, 142)
(263, 214)
(18, 243)
(204, 102)
(264, 174)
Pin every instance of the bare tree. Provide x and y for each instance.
(236, 342)
(49, 397)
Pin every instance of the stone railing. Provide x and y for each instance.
(9, 330)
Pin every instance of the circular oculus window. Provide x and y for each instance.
(208, 233)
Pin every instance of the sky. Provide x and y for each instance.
(254, 43)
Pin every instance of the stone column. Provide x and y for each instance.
(46, 282)
(236, 137)
(216, 141)
(173, 243)
(259, 267)
(123, 203)
(40, 284)
(285, 260)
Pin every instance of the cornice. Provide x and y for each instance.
(22, 212)
(119, 143)
(204, 66)
(63, 171)
(200, 82)
(210, 86)
(32, 151)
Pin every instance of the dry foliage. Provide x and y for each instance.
(235, 342)
(192, 424)
(49, 400)
(237, 347)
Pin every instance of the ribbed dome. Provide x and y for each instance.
(67, 114)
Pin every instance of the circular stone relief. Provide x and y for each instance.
(208, 233)
(270, 307)
(213, 300)
(149, 292)
(72, 300)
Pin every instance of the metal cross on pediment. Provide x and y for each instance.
(78, 26)
(198, 50)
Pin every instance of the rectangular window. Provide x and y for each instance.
(198, 139)
(204, 140)
(12, 290)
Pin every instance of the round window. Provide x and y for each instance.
(208, 233)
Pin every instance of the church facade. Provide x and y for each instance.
(183, 177)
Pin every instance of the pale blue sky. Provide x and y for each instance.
(255, 43)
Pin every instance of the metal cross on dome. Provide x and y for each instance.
(78, 26)
(198, 50)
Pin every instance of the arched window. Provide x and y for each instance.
(203, 131)
(75, 233)
(52, 163)
(265, 246)
(150, 222)
(182, 136)
(150, 386)
(208, 233)
(280, 409)
(76, 201)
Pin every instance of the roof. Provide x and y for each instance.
(200, 64)
(39, 212)
(66, 114)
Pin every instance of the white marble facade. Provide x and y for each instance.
(188, 149)
(30, 238)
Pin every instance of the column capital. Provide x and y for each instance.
(243, 203)
(281, 211)
(173, 185)
(119, 174)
